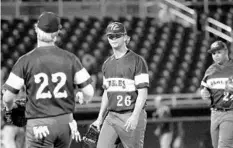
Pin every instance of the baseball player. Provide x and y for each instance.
(125, 84)
(213, 87)
(50, 75)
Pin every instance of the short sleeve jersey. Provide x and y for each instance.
(50, 75)
(122, 78)
(215, 80)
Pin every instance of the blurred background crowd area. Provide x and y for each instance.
(172, 36)
(173, 46)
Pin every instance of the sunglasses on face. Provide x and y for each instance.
(116, 36)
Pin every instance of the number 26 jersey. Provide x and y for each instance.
(50, 75)
(121, 79)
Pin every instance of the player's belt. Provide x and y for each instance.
(221, 109)
(122, 111)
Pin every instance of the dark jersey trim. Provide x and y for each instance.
(11, 89)
(142, 85)
(85, 83)
(126, 111)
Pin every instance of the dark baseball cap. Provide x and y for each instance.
(49, 22)
(115, 28)
(217, 45)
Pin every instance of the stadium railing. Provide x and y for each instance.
(98, 8)
(184, 12)
(177, 8)
(207, 3)
(219, 29)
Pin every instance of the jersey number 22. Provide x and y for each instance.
(56, 92)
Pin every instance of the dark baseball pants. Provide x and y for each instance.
(59, 132)
(113, 127)
(222, 129)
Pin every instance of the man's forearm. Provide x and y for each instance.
(88, 93)
(140, 102)
(103, 107)
(8, 100)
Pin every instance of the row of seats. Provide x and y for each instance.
(176, 55)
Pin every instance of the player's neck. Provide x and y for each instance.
(42, 44)
(118, 53)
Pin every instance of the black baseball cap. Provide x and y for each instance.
(49, 22)
(217, 45)
(115, 28)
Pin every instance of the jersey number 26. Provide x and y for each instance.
(123, 101)
(45, 82)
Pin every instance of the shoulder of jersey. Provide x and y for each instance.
(109, 59)
(137, 56)
(26, 55)
(34, 52)
(30, 52)
(212, 66)
(131, 52)
(67, 52)
(211, 69)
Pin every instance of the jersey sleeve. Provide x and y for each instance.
(204, 82)
(208, 72)
(15, 80)
(81, 77)
(141, 77)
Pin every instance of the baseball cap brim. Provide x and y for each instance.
(212, 50)
(114, 33)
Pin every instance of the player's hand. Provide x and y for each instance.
(74, 131)
(205, 94)
(131, 123)
(40, 131)
(97, 123)
(7, 116)
(79, 96)
(3, 92)
(229, 85)
(157, 131)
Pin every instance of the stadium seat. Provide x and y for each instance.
(69, 46)
(174, 53)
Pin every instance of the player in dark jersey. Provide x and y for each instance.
(213, 87)
(125, 84)
(50, 75)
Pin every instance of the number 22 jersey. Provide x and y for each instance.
(50, 75)
(121, 79)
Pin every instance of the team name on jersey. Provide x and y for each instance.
(119, 84)
(116, 83)
(217, 83)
